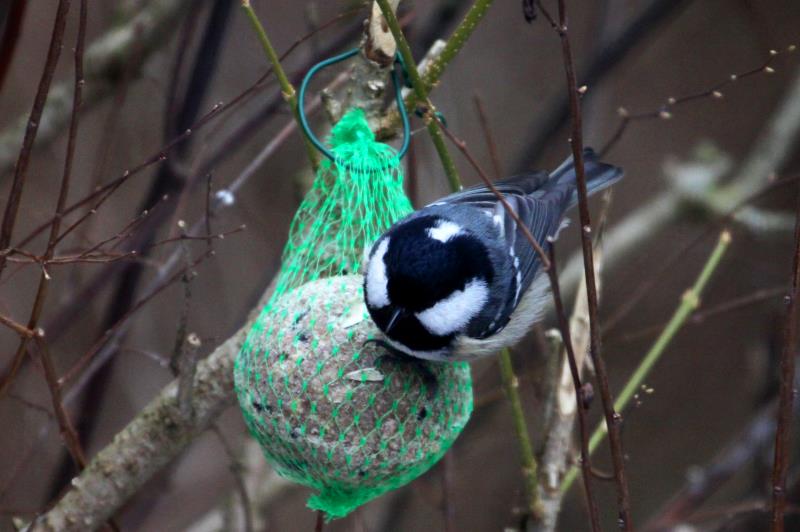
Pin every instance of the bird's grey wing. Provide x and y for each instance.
(542, 216)
(482, 197)
(540, 208)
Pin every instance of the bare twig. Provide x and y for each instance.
(582, 392)
(236, 470)
(24, 157)
(134, 39)
(44, 278)
(766, 156)
(558, 444)
(181, 337)
(17, 327)
(436, 68)
(152, 439)
(690, 301)
(421, 92)
(289, 93)
(665, 111)
(71, 438)
(787, 390)
(704, 482)
(530, 468)
(612, 418)
(487, 133)
(68, 434)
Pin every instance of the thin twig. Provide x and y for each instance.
(665, 110)
(71, 440)
(510, 381)
(690, 301)
(613, 419)
(422, 95)
(236, 468)
(487, 133)
(462, 146)
(787, 390)
(21, 168)
(181, 336)
(436, 68)
(582, 392)
(289, 93)
(530, 469)
(44, 278)
(87, 357)
(17, 327)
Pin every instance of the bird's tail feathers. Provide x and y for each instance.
(599, 175)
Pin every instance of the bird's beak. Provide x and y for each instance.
(393, 319)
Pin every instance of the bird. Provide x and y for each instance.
(457, 280)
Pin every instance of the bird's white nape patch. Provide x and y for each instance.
(377, 284)
(454, 312)
(444, 231)
(498, 221)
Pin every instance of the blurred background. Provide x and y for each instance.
(157, 67)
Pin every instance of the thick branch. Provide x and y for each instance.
(154, 438)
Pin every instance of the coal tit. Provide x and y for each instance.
(457, 280)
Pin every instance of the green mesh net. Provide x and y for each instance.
(330, 409)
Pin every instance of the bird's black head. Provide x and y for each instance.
(426, 278)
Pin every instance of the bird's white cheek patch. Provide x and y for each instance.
(444, 231)
(453, 313)
(377, 283)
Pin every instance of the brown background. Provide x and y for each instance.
(706, 387)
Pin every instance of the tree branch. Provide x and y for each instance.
(105, 59)
(787, 390)
(767, 155)
(157, 435)
(612, 418)
(289, 93)
(31, 130)
(421, 93)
